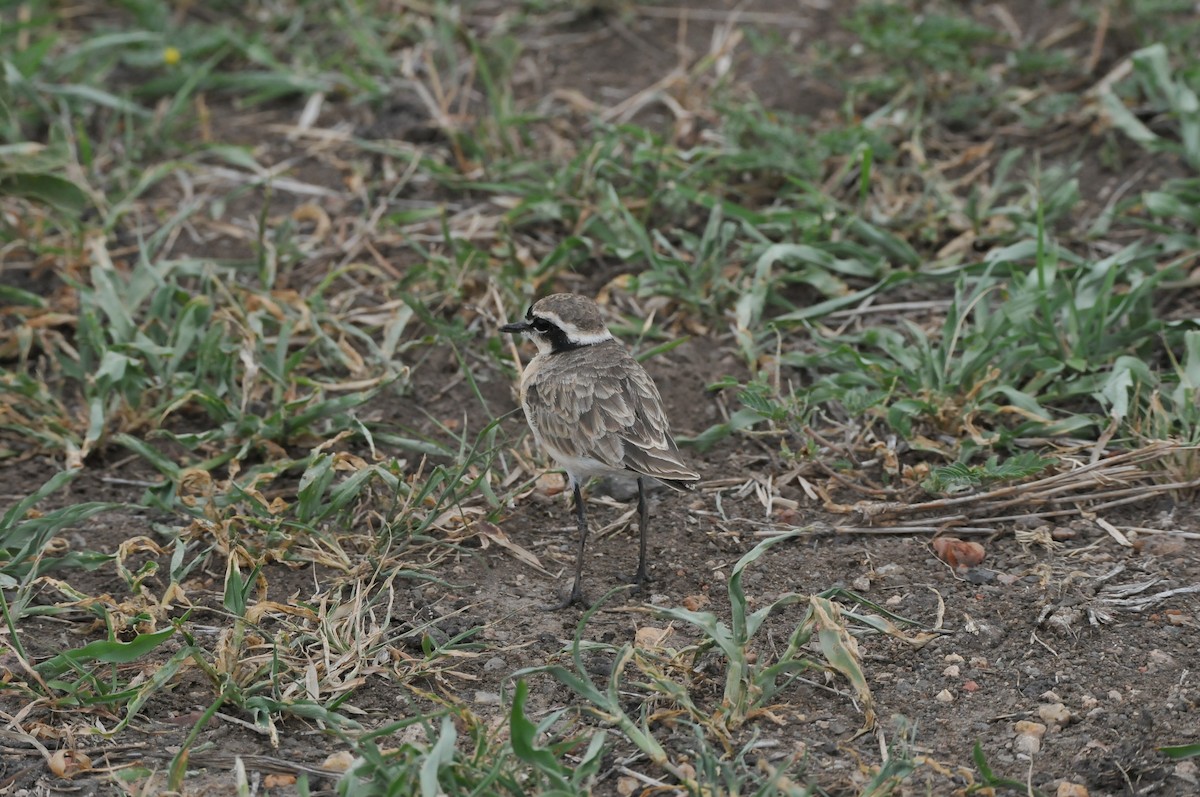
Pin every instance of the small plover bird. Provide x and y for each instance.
(595, 410)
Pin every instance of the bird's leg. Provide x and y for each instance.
(576, 595)
(641, 577)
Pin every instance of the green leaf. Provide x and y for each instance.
(742, 419)
(159, 678)
(162, 463)
(22, 507)
(442, 754)
(238, 588)
(841, 653)
(896, 248)
(989, 779)
(524, 736)
(105, 652)
(97, 96)
(1117, 390)
(10, 294)
(1124, 120)
(49, 189)
(1180, 751)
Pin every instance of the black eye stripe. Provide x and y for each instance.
(541, 325)
(529, 313)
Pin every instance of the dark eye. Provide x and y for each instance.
(541, 325)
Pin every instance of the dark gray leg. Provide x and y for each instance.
(576, 595)
(643, 516)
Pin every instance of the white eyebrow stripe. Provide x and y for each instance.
(571, 330)
(553, 318)
(587, 340)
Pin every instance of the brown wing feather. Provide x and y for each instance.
(649, 447)
(603, 405)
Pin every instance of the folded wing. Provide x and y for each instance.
(616, 418)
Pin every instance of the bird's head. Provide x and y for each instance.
(561, 322)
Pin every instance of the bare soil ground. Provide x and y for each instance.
(1041, 631)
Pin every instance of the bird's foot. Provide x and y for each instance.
(574, 598)
(638, 580)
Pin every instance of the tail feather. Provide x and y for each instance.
(680, 484)
(662, 466)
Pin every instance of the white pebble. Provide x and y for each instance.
(1027, 745)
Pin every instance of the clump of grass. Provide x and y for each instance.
(476, 759)
(934, 60)
(172, 339)
(1025, 348)
(958, 478)
(754, 682)
(1170, 93)
(26, 553)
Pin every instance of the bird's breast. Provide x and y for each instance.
(530, 375)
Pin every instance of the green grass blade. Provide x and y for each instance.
(104, 652)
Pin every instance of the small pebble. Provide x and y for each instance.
(338, 762)
(487, 698)
(944, 696)
(1029, 728)
(951, 671)
(599, 666)
(1027, 745)
(649, 638)
(1054, 714)
(1065, 620)
(980, 575)
(1188, 771)
(1068, 789)
(1158, 545)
